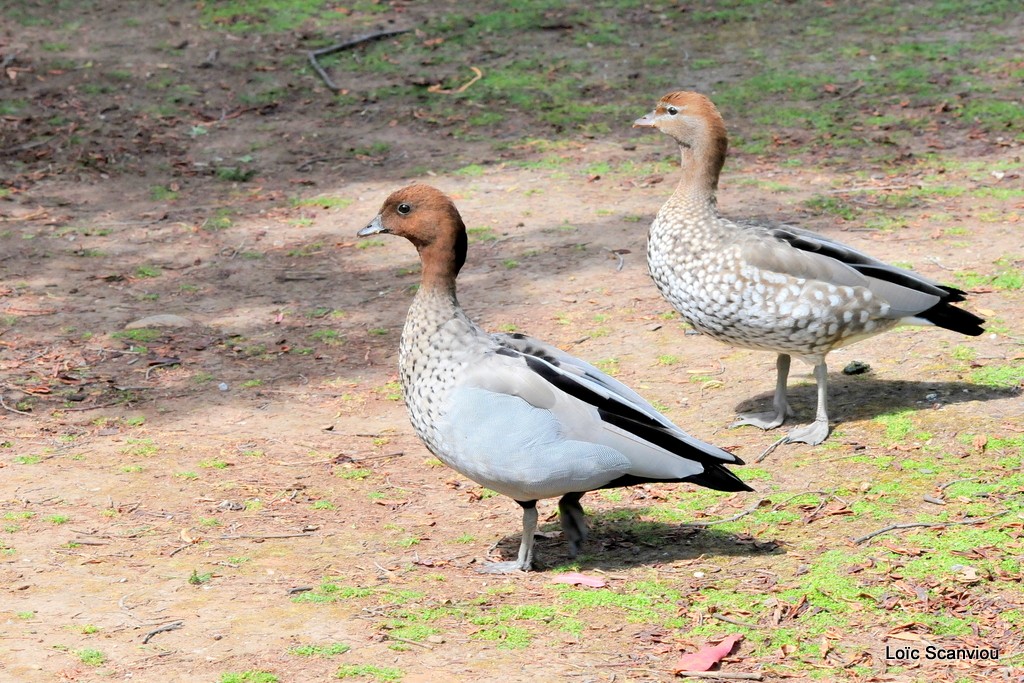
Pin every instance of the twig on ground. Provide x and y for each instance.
(173, 626)
(851, 91)
(477, 75)
(233, 537)
(867, 188)
(733, 518)
(178, 550)
(314, 55)
(721, 675)
(955, 481)
(305, 165)
(730, 620)
(299, 589)
(918, 525)
(95, 407)
(411, 642)
(13, 410)
(771, 449)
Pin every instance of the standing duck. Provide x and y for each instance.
(514, 414)
(773, 287)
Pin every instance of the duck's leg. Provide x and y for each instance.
(772, 419)
(524, 562)
(817, 431)
(574, 522)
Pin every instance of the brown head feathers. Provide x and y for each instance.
(426, 217)
(693, 121)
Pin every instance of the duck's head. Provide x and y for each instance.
(692, 120)
(426, 217)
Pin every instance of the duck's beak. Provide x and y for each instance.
(645, 121)
(375, 227)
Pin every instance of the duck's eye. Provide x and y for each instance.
(404, 209)
(672, 111)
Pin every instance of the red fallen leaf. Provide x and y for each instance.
(577, 579)
(707, 657)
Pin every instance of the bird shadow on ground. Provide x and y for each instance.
(861, 398)
(615, 543)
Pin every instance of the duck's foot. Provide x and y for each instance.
(767, 420)
(812, 434)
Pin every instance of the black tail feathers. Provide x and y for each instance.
(947, 316)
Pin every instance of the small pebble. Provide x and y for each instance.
(223, 386)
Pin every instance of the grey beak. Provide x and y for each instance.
(375, 227)
(645, 121)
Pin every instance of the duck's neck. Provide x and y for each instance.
(698, 185)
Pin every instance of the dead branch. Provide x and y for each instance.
(733, 518)
(314, 55)
(410, 642)
(173, 626)
(768, 451)
(926, 525)
(231, 537)
(13, 410)
(730, 620)
(477, 75)
(721, 675)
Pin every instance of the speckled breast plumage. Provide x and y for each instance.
(696, 259)
(437, 341)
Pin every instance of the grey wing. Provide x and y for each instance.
(503, 442)
(799, 253)
(570, 365)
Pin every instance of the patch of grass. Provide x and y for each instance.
(328, 592)
(198, 579)
(507, 637)
(356, 474)
(251, 676)
(143, 335)
(481, 234)
(898, 425)
(1001, 376)
(331, 650)
(328, 337)
(378, 673)
(832, 206)
(310, 249)
(235, 174)
(140, 447)
(323, 201)
(147, 271)
(27, 459)
(58, 519)
(323, 505)
(91, 657)
(392, 391)
(159, 193)
(213, 463)
(1010, 279)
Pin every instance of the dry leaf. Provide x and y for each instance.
(577, 579)
(707, 657)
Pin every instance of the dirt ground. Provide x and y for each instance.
(195, 475)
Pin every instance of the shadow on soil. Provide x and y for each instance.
(615, 544)
(867, 398)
